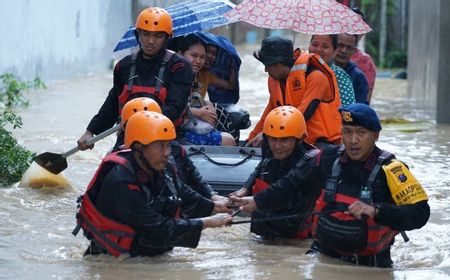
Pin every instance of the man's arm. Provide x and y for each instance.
(361, 88)
(131, 208)
(317, 86)
(301, 181)
(179, 89)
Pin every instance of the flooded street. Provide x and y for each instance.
(36, 240)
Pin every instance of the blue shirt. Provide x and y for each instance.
(359, 80)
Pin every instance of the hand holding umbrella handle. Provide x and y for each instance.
(93, 140)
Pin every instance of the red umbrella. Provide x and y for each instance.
(304, 16)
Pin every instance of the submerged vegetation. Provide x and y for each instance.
(14, 158)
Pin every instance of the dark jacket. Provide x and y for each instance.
(140, 208)
(318, 169)
(271, 170)
(188, 172)
(359, 81)
(177, 80)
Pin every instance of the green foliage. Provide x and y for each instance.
(396, 59)
(11, 89)
(14, 159)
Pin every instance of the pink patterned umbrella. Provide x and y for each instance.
(304, 16)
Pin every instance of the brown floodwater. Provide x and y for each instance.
(36, 240)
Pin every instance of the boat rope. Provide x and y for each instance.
(249, 155)
(262, 220)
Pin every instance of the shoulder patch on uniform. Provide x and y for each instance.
(133, 188)
(404, 188)
(176, 66)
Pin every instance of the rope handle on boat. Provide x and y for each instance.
(201, 151)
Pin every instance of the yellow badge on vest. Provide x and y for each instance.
(405, 189)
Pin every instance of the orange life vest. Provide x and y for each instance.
(325, 122)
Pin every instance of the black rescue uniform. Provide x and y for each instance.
(160, 211)
(172, 96)
(350, 182)
(188, 172)
(269, 172)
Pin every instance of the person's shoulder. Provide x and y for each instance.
(178, 63)
(355, 69)
(124, 63)
(177, 150)
(337, 69)
(316, 74)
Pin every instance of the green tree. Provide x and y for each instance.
(14, 159)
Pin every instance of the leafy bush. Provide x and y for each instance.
(396, 59)
(14, 159)
(11, 89)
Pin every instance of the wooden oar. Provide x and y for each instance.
(55, 163)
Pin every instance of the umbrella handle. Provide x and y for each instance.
(93, 140)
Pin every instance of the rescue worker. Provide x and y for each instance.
(306, 83)
(284, 131)
(135, 205)
(153, 72)
(187, 171)
(368, 196)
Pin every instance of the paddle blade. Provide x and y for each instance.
(52, 162)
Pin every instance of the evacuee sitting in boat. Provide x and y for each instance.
(136, 205)
(306, 83)
(187, 171)
(214, 79)
(368, 196)
(284, 131)
(325, 46)
(199, 124)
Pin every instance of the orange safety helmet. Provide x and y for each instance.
(156, 20)
(136, 105)
(147, 127)
(285, 121)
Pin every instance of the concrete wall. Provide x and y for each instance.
(59, 39)
(429, 56)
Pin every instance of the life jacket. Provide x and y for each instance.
(342, 232)
(325, 121)
(137, 88)
(260, 184)
(115, 237)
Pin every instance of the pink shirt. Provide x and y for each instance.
(365, 63)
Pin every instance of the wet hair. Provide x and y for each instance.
(334, 40)
(184, 43)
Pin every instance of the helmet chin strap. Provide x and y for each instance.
(144, 160)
